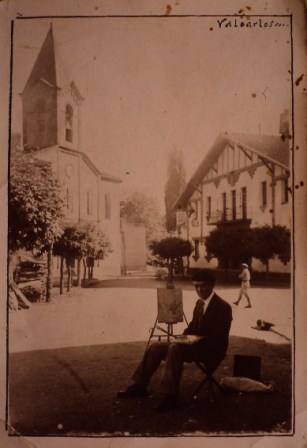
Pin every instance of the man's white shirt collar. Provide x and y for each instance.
(207, 301)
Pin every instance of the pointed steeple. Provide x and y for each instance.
(48, 99)
(45, 67)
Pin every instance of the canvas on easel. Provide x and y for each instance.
(170, 311)
(170, 307)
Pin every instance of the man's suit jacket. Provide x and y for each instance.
(214, 325)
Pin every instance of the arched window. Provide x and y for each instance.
(69, 123)
(107, 206)
(89, 203)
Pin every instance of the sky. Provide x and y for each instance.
(154, 84)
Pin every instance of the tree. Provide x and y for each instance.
(82, 242)
(35, 207)
(171, 249)
(68, 247)
(270, 242)
(174, 186)
(230, 245)
(140, 209)
(97, 246)
(234, 245)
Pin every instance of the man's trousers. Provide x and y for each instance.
(175, 355)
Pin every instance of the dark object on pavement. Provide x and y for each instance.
(263, 325)
(247, 366)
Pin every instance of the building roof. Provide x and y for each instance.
(49, 68)
(273, 148)
(101, 174)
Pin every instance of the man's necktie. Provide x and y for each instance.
(200, 313)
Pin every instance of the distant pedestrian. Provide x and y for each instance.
(245, 285)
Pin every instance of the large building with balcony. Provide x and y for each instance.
(242, 181)
(52, 107)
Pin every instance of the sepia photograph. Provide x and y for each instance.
(152, 256)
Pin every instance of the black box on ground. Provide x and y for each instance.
(247, 366)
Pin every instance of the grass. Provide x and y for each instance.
(72, 392)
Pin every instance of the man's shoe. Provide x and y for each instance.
(236, 303)
(169, 403)
(134, 391)
(248, 306)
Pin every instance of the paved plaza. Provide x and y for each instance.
(104, 315)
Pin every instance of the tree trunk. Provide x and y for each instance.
(68, 274)
(49, 282)
(267, 271)
(181, 266)
(61, 275)
(84, 271)
(78, 271)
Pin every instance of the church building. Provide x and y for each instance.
(52, 107)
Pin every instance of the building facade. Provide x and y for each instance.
(133, 247)
(243, 181)
(52, 106)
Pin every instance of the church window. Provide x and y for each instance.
(89, 203)
(108, 206)
(69, 123)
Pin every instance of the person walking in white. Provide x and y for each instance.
(245, 284)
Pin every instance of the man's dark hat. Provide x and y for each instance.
(204, 276)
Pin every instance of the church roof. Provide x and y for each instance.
(49, 68)
(101, 174)
(272, 148)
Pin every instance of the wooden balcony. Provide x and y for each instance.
(238, 215)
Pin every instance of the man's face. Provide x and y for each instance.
(203, 289)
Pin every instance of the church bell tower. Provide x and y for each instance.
(51, 103)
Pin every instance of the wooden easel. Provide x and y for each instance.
(167, 316)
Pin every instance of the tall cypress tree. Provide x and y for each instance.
(174, 186)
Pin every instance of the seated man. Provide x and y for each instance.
(212, 318)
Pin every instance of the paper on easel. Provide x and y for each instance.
(170, 308)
